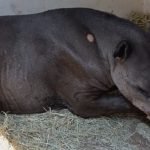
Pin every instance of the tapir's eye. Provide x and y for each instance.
(122, 51)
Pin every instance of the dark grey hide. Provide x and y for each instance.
(73, 58)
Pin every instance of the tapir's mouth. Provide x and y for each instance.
(142, 100)
(138, 96)
(142, 105)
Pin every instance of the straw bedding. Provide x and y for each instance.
(60, 130)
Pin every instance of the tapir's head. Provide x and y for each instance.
(130, 69)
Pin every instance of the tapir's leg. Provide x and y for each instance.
(105, 105)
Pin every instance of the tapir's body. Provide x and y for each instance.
(65, 58)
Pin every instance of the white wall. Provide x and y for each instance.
(146, 6)
(119, 7)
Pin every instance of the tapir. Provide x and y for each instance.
(91, 62)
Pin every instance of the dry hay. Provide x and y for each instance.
(141, 19)
(61, 130)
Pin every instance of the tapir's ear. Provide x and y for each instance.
(122, 50)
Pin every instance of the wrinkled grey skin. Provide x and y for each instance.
(46, 60)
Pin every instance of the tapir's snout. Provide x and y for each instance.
(139, 98)
(143, 105)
